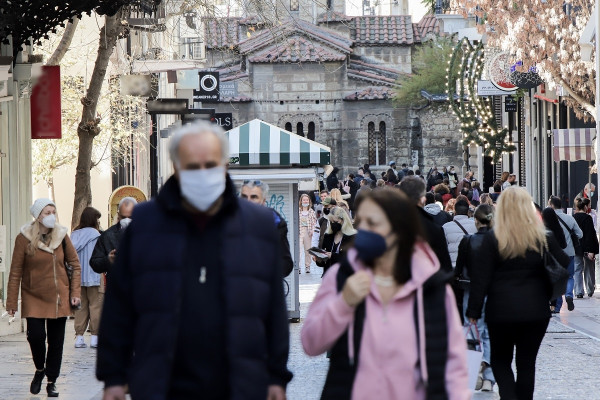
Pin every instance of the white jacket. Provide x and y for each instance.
(454, 234)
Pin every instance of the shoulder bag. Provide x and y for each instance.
(557, 275)
(69, 270)
(574, 239)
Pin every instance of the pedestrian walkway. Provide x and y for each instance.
(567, 363)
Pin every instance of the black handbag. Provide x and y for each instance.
(574, 238)
(557, 274)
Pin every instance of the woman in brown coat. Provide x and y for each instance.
(38, 267)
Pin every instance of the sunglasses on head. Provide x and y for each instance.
(255, 183)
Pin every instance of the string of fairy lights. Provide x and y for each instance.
(475, 113)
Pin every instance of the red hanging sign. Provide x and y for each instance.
(45, 105)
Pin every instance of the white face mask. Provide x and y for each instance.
(125, 222)
(202, 187)
(305, 204)
(49, 221)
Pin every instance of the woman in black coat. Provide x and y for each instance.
(338, 236)
(517, 288)
(586, 260)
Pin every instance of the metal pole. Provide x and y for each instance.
(154, 156)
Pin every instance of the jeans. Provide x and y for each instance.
(585, 269)
(526, 337)
(36, 336)
(569, 292)
(485, 337)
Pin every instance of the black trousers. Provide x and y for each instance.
(36, 336)
(526, 338)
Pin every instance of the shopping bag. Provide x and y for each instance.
(474, 353)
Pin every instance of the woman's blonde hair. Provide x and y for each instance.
(37, 238)
(347, 228)
(450, 205)
(517, 226)
(336, 195)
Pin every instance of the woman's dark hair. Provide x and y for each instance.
(476, 185)
(551, 222)
(581, 203)
(404, 218)
(90, 218)
(484, 214)
(391, 176)
(497, 188)
(441, 188)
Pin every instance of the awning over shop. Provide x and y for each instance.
(574, 144)
(258, 143)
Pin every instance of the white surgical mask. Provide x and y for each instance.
(49, 221)
(125, 222)
(591, 194)
(202, 187)
(305, 204)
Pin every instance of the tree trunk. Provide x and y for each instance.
(64, 44)
(88, 127)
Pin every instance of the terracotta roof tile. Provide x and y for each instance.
(371, 93)
(333, 16)
(365, 71)
(297, 49)
(221, 33)
(429, 24)
(383, 30)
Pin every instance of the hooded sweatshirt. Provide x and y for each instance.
(391, 365)
(84, 241)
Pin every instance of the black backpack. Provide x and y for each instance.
(341, 374)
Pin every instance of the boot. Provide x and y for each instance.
(51, 389)
(36, 383)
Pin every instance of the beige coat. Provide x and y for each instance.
(43, 277)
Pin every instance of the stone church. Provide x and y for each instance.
(331, 78)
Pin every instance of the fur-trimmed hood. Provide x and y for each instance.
(58, 234)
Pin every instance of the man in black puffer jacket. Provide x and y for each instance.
(195, 306)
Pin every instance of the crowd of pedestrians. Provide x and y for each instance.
(408, 260)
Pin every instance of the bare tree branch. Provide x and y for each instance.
(64, 44)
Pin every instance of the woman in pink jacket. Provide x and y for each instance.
(386, 315)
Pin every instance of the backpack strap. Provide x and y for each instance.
(461, 227)
(436, 333)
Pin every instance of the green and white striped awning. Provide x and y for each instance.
(259, 143)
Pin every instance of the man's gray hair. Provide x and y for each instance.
(126, 201)
(198, 128)
(590, 186)
(264, 186)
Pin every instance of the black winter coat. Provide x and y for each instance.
(107, 242)
(517, 289)
(332, 182)
(589, 242)
(141, 317)
(468, 253)
(435, 237)
(287, 263)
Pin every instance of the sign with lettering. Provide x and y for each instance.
(46, 113)
(224, 120)
(209, 87)
(487, 88)
(510, 104)
(228, 89)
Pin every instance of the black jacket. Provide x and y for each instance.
(517, 289)
(468, 253)
(141, 315)
(436, 239)
(328, 245)
(589, 242)
(107, 242)
(332, 182)
(287, 263)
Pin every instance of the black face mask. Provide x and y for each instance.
(326, 211)
(336, 227)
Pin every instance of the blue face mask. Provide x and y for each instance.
(369, 245)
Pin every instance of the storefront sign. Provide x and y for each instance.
(119, 194)
(46, 122)
(209, 87)
(228, 89)
(510, 104)
(224, 120)
(487, 88)
(167, 106)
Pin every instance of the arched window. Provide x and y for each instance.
(288, 126)
(376, 140)
(300, 129)
(311, 131)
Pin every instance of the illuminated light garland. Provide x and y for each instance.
(481, 129)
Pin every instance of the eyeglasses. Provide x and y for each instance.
(255, 183)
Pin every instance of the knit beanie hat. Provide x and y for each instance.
(38, 206)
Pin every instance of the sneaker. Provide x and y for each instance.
(479, 383)
(590, 294)
(570, 305)
(36, 383)
(308, 270)
(80, 343)
(580, 296)
(487, 386)
(94, 342)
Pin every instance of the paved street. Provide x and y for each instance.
(567, 365)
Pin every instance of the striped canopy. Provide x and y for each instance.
(574, 144)
(258, 143)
